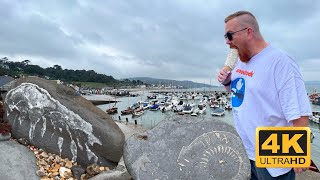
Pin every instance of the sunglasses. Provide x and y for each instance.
(229, 34)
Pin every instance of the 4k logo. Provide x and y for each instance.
(283, 147)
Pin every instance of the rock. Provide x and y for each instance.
(119, 173)
(41, 173)
(18, 161)
(51, 117)
(68, 164)
(65, 172)
(93, 169)
(5, 137)
(187, 148)
(77, 171)
(56, 168)
(23, 141)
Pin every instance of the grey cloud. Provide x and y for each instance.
(161, 38)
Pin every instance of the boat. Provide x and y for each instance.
(187, 109)
(217, 112)
(154, 107)
(202, 109)
(166, 108)
(315, 117)
(127, 111)
(178, 108)
(152, 96)
(112, 110)
(145, 105)
(228, 107)
(195, 112)
(214, 103)
(138, 112)
(222, 100)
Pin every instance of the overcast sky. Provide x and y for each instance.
(169, 39)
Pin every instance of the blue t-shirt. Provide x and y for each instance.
(267, 91)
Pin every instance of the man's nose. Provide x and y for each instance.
(228, 41)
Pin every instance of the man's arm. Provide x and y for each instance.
(303, 121)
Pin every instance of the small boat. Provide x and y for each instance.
(228, 107)
(195, 112)
(315, 117)
(178, 108)
(127, 111)
(166, 108)
(187, 109)
(154, 107)
(138, 112)
(214, 104)
(202, 109)
(217, 112)
(152, 96)
(112, 110)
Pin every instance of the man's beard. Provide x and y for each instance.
(244, 57)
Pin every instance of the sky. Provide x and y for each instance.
(167, 39)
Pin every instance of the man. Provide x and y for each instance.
(267, 89)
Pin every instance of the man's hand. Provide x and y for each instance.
(224, 76)
(299, 170)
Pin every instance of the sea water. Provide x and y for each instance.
(151, 118)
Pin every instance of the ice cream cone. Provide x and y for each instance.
(231, 60)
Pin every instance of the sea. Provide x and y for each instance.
(151, 118)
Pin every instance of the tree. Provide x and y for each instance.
(57, 67)
(4, 60)
(25, 62)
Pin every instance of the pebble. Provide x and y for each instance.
(53, 167)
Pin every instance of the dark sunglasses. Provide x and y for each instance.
(229, 34)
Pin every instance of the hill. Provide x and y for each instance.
(312, 83)
(169, 82)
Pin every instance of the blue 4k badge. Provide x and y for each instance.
(237, 90)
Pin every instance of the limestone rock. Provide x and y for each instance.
(187, 148)
(50, 116)
(4, 137)
(18, 162)
(65, 172)
(77, 171)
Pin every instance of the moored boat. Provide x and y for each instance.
(112, 110)
(127, 111)
(217, 112)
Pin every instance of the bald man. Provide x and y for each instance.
(267, 89)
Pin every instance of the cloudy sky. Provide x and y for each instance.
(169, 39)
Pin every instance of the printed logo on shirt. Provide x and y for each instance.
(245, 72)
(237, 90)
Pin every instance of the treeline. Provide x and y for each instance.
(17, 69)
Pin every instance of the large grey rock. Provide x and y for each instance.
(187, 148)
(52, 117)
(17, 162)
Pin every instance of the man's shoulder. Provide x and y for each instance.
(281, 56)
(277, 51)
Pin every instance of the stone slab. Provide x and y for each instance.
(17, 162)
(187, 148)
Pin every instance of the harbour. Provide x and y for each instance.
(150, 118)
